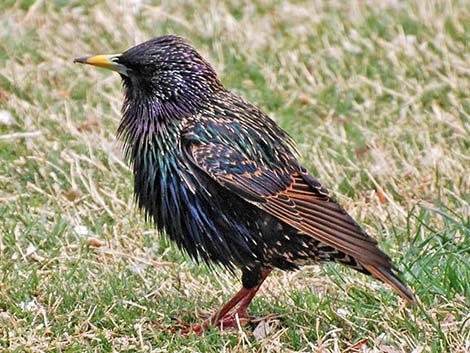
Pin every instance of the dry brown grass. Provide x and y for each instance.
(375, 92)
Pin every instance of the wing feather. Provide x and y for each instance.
(292, 195)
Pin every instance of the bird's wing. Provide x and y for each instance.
(291, 195)
(295, 197)
(238, 173)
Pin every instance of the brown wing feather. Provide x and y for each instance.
(309, 209)
(314, 213)
(297, 199)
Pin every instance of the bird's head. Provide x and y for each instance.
(166, 69)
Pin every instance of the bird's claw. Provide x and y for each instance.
(268, 317)
(232, 321)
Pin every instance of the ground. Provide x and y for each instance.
(377, 95)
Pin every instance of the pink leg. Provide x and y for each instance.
(246, 301)
(239, 297)
(223, 319)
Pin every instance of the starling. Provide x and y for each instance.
(222, 180)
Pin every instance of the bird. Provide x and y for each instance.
(223, 181)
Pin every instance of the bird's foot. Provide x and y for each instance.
(231, 321)
(185, 328)
(234, 321)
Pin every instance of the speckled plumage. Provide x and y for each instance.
(221, 178)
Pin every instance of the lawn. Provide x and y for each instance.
(377, 96)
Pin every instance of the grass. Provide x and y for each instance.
(377, 95)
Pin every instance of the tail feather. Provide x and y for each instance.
(387, 276)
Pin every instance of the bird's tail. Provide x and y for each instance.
(386, 275)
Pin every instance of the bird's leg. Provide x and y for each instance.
(243, 298)
(216, 318)
(223, 319)
(239, 297)
(246, 301)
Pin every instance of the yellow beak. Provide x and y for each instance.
(110, 62)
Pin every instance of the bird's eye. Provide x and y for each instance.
(115, 59)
